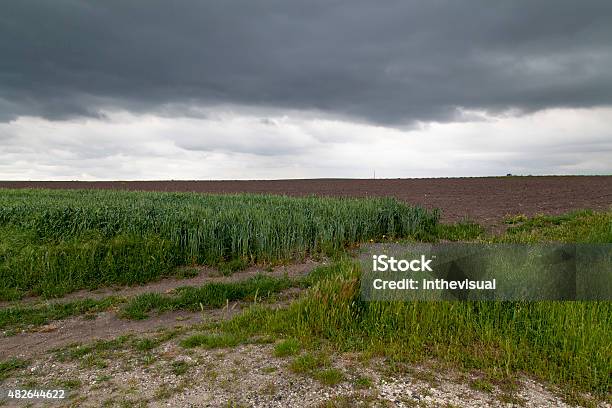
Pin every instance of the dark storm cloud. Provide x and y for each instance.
(386, 62)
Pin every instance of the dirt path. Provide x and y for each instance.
(204, 275)
(482, 199)
(78, 330)
(107, 325)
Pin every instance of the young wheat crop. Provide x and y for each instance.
(56, 241)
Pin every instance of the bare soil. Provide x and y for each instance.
(108, 325)
(482, 199)
(204, 275)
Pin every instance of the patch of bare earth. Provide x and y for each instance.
(251, 376)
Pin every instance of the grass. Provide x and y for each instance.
(67, 383)
(179, 367)
(56, 241)
(583, 226)
(16, 317)
(481, 385)
(210, 341)
(461, 231)
(307, 362)
(363, 382)
(257, 288)
(288, 347)
(146, 344)
(578, 227)
(564, 343)
(317, 366)
(10, 365)
(329, 376)
(214, 294)
(96, 351)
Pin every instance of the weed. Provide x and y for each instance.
(145, 344)
(214, 294)
(307, 362)
(330, 376)
(363, 382)
(180, 367)
(286, 348)
(481, 385)
(10, 365)
(210, 341)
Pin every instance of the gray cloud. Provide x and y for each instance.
(241, 146)
(393, 62)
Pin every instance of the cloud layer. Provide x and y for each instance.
(241, 89)
(389, 63)
(240, 145)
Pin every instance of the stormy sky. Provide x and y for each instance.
(284, 89)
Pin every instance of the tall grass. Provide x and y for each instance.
(54, 241)
(585, 226)
(566, 343)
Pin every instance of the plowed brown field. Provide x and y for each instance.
(483, 199)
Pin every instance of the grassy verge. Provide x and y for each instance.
(564, 343)
(580, 227)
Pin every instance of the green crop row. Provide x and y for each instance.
(56, 241)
